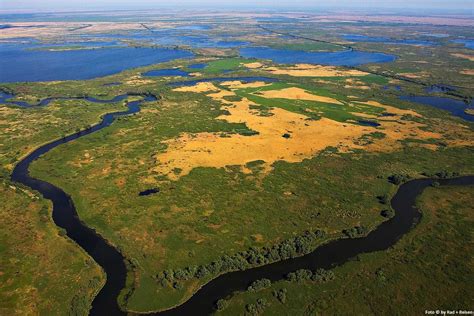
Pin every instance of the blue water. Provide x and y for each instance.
(276, 19)
(341, 58)
(149, 191)
(172, 37)
(228, 44)
(86, 43)
(437, 35)
(175, 72)
(468, 43)
(455, 107)
(368, 123)
(395, 87)
(197, 66)
(194, 27)
(19, 63)
(385, 40)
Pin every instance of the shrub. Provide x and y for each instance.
(398, 178)
(259, 285)
(355, 231)
(387, 213)
(446, 174)
(280, 295)
(257, 308)
(322, 275)
(300, 275)
(201, 272)
(383, 199)
(221, 304)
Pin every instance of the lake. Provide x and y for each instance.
(340, 58)
(197, 66)
(454, 106)
(468, 43)
(20, 62)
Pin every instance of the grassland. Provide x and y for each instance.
(222, 65)
(41, 272)
(428, 269)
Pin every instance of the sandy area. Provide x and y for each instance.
(304, 138)
(253, 65)
(357, 87)
(355, 84)
(199, 87)
(436, 20)
(305, 70)
(239, 85)
(210, 150)
(391, 109)
(468, 72)
(465, 56)
(295, 93)
(414, 75)
(138, 81)
(55, 29)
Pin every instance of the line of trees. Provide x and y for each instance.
(320, 275)
(290, 248)
(398, 178)
(355, 232)
(259, 285)
(443, 174)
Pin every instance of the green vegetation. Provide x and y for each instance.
(218, 66)
(243, 260)
(402, 280)
(259, 285)
(41, 271)
(312, 109)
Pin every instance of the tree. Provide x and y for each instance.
(322, 275)
(398, 178)
(202, 272)
(221, 304)
(355, 231)
(387, 213)
(259, 285)
(383, 199)
(280, 295)
(299, 275)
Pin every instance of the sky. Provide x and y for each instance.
(85, 5)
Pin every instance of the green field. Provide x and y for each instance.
(41, 272)
(429, 269)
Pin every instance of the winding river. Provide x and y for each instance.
(327, 256)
